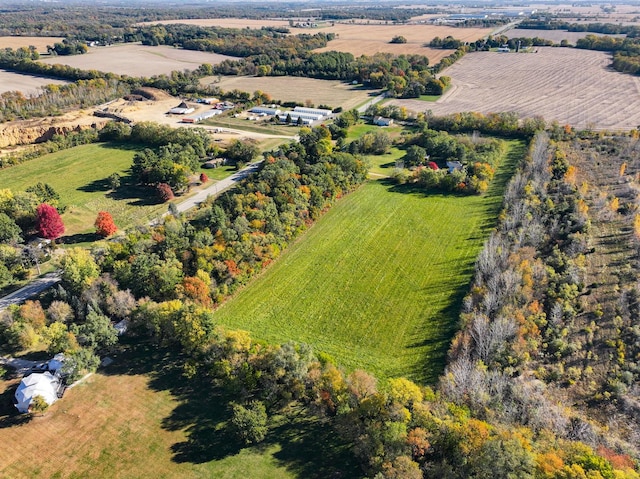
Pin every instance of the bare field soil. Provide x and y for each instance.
(39, 42)
(318, 92)
(564, 84)
(555, 36)
(591, 12)
(27, 84)
(361, 38)
(139, 60)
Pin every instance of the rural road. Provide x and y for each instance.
(373, 101)
(218, 187)
(29, 290)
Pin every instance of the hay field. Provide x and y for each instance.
(319, 92)
(555, 36)
(27, 84)
(568, 85)
(362, 38)
(39, 42)
(138, 60)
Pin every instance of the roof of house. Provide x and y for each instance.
(36, 384)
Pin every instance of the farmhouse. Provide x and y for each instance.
(181, 109)
(382, 121)
(454, 166)
(46, 385)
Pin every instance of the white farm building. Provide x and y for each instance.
(312, 111)
(201, 116)
(265, 110)
(181, 109)
(45, 385)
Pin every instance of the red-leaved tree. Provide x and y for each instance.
(104, 224)
(48, 222)
(164, 192)
(203, 178)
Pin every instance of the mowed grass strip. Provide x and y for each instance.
(377, 282)
(80, 175)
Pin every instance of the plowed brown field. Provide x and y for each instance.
(569, 85)
(39, 42)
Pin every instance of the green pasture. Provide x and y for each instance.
(80, 175)
(377, 282)
(253, 126)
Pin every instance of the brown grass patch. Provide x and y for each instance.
(39, 42)
(568, 85)
(138, 60)
(318, 92)
(27, 84)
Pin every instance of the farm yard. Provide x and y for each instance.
(571, 86)
(555, 36)
(377, 282)
(40, 43)
(138, 60)
(27, 84)
(318, 92)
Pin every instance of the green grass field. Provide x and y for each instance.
(80, 175)
(377, 282)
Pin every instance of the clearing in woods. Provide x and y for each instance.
(569, 85)
(140, 419)
(377, 282)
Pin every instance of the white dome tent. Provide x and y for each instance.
(36, 384)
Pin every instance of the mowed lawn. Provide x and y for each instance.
(139, 418)
(377, 282)
(80, 175)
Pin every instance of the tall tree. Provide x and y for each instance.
(48, 222)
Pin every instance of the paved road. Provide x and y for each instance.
(29, 290)
(218, 187)
(373, 101)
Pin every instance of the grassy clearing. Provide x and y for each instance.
(253, 126)
(80, 175)
(141, 419)
(383, 165)
(377, 282)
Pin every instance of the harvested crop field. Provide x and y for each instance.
(139, 60)
(568, 85)
(360, 38)
(27, 84)
(39, 42)
(318, 92)
(369, 39)
(555, 36)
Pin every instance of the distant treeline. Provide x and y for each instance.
(607, 28)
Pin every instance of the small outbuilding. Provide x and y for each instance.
(182, 109)
(45, 385)
(382, 121)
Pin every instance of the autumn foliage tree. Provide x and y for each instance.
(48, 222)
(164, 192)
(203, 178)
(104, 224)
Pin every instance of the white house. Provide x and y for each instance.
(382, 121)
(44, 384)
